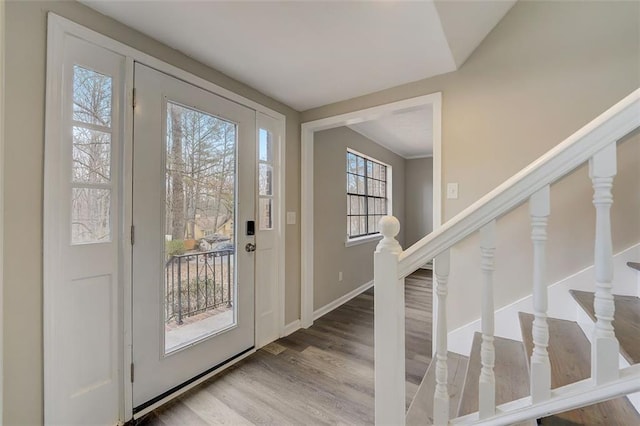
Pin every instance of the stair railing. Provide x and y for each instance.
(596, 143)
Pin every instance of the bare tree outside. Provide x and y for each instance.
(200, 176)
(91, 170)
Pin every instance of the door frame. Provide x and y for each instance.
(59, 28)
(2, 92)
(306, 168)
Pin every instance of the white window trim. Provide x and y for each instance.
(356, 241)
(57, 28)
(2, 111)
(350, 242)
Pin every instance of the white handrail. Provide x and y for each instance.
(612, 125)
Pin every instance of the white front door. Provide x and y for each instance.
(193, 207)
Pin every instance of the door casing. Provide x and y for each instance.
(57, 29)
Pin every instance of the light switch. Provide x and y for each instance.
(291, 218)
(452, 191)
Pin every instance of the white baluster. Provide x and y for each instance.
(604, 349)
(389, 328)
(441, 396)
(487, 386)
(539, 209)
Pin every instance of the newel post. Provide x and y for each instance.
(389, 328)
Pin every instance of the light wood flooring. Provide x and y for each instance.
(316, 376)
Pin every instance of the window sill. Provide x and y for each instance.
(362, 240)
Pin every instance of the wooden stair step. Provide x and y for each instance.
(421, 409)
(626, 321)
(511, 373)
(634, 265)
(570, 357)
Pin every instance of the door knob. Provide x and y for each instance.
(250, 247)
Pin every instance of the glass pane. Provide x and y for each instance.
(376, 171)
(371, 205)
(265, 179)
(361, 205)
(91, 97)
(91, 156)
(265, 214)
(360, 163)
(200, 181)
(351, 163)
(383, 173)
(363, 224)
(383, 189)
(352, 186)
(369, 168)
(373, 224)
(380, 206)
(370, 187)
(355, 225)
(265, 146)
(90, 215)
(353, 205)
(360, 185)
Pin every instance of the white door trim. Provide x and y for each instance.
(308, 130)
(58, 27)
(2, 92)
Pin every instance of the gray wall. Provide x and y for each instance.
(418, 199)
(330, 213)
(24, 137)
(547, 69)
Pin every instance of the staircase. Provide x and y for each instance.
(557, 374)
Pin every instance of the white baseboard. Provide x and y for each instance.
(292, 327)
(561, 303)
(342, 300)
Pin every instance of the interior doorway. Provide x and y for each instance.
(433, 101)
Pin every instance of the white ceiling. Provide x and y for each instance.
(312, 53)
(408, 134)
(315, 52)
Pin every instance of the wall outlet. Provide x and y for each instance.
(340, 276)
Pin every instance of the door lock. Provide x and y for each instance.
(250, 247)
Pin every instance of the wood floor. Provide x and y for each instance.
(321, 375)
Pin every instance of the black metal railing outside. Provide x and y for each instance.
(198, 282)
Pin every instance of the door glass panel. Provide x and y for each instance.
(90, 215)
(91, 156)
(200, 184)
(266, 179)
(91, 97)
(265, 146)
(265, 221)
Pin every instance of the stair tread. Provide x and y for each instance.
(511, 373)
(626, 322)
(422, 406)
(634, 265)
(570, 358)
